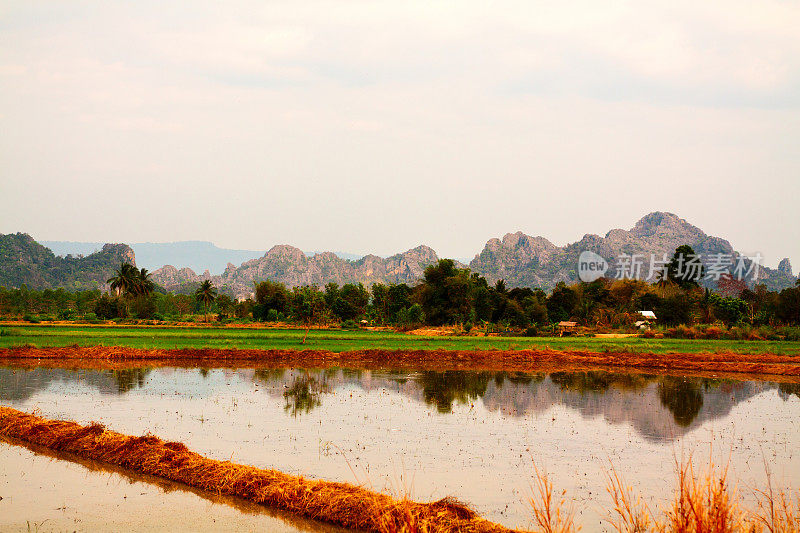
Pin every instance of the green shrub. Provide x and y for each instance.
(33, 319)
(349, 324)
(791, 333)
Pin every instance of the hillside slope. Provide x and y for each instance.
(24, 261)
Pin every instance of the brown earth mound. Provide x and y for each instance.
(511, 360)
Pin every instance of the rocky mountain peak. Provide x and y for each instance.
(25, 261)
(123, 251)
(422, 251)
(785, 267)
(652, 222)
(520, 240)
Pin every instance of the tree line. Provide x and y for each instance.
(446, 295)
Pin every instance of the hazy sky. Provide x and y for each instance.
(375, 126)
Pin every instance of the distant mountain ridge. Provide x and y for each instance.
(196, 255)
(520, 259)
(291, 266)
(23, 261)
(528, 261)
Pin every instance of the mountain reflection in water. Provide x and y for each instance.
(658, 407)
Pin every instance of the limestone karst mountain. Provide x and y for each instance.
(23, 261)
(292, 267)
(521, 260)
(525, 261)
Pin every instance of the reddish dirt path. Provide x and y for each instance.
(714, 364)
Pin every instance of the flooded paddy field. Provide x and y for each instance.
(47, 491)
(428, 434)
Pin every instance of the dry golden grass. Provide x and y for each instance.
(550, 515)
(337, 503)
(629, 513)
(777, 511)
(786, 366)
(704, 503)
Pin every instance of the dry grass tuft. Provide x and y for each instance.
(777, 512)
(551, 516)
(630, 514)
(705, 504)
(337, 503)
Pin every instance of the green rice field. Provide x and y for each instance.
(342, 340)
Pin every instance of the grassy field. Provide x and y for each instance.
(337, 340)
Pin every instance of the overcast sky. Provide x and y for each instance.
(375, 126)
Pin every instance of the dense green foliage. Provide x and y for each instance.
(446, 296)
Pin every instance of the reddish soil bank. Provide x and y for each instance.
(772, 365)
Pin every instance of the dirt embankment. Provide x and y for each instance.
(716, 364)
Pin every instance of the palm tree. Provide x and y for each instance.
(144, 285)
(206, 293)
(124, 280)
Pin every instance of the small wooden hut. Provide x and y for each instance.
(566, 327)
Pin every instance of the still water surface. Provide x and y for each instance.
(472, 435)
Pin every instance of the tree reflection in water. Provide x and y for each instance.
(787, 389)
(304, 394)
(599, 382)
(683, 397)
(130, 378)
(443, 388)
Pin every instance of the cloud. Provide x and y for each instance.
(432, 121)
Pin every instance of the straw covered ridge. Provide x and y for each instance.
(509, 360)
(338, 503)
